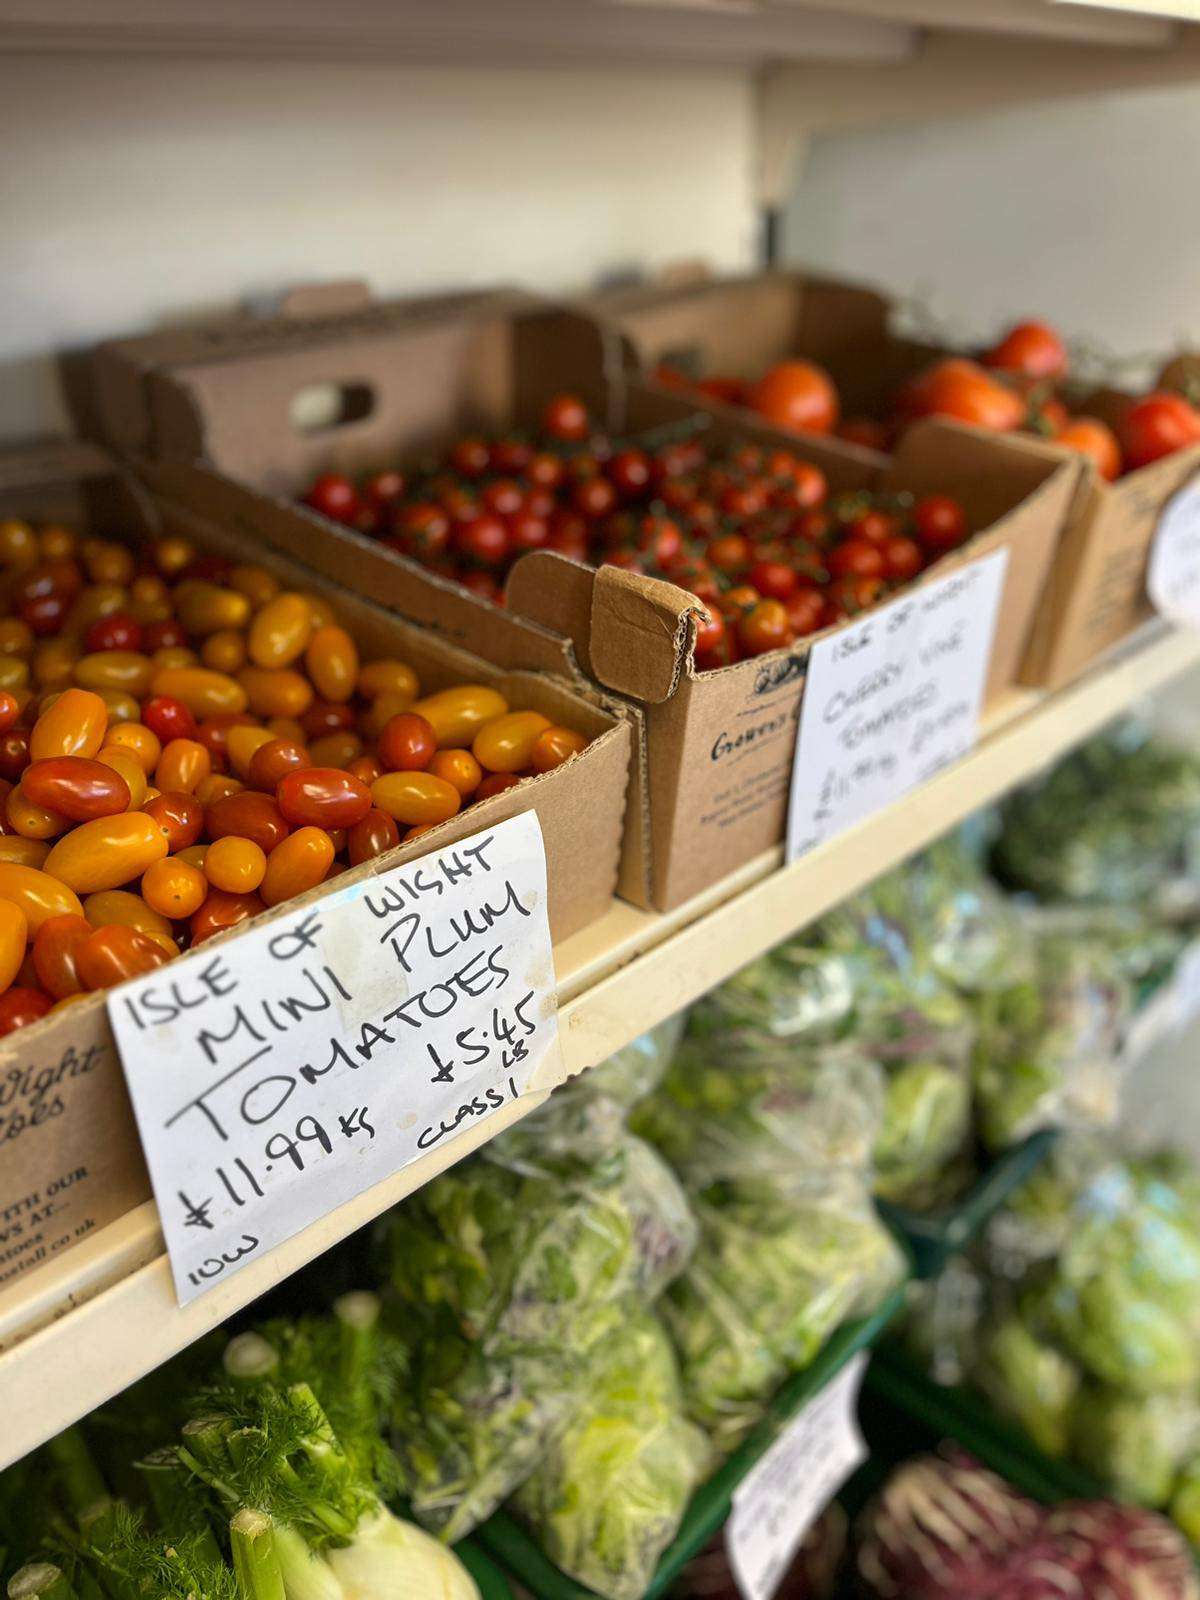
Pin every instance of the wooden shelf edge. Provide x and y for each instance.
(84, 1328)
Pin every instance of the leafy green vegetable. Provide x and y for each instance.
(609, 1494)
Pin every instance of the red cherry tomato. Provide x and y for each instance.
(764, 627)
(859, 558)
(164, 635)
(504, 496)
(471, 457)
(874, 525)
(527, 531)
(774, 580)
(168, 718)
(421, 530)
(806, 611)
(902, 556)
(334, 496)
(566, 418)
(383, 489)
(940, 522)
(630, 472)
(115, 632)
(484, 540)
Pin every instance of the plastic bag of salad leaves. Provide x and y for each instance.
(1117, 823)
(502, 1274)
(1048, 1052)
(610, 1491)
(774, 1274)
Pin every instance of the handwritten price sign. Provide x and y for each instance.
(284, 1072)
(1173, 573)
(892, 699)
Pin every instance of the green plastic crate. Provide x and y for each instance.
(511, 1543)
(933, 1237)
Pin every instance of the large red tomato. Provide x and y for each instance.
(1033, 349)
(1156, 426)
(961, 389)
(797, 395)
(1094, 439)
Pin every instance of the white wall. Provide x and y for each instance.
(1086, 212)
(134, 192)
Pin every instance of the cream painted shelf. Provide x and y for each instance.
(83, 1328)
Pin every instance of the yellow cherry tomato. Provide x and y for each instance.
(125, 761)
(204, 692)
(235, 865)
(174, 887)
(122, 908)
(456, 715)
(136, 736)
(108, 852)
(73, 726)
(24, 852)
(275, 691)
(39, 895)
(505, 744)
(14, 936)
(331, 660)
(415, 797)
(280, 631)
(296, 864)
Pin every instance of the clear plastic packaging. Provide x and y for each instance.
(608, 1495)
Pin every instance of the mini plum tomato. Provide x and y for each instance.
(113, 632)
(458, 767)
(123, 762)
(494, 783)
(221, 911)
(505, 743)
(370, 837)
(858, 558)
(387, 677)
(555, 745)
(940, 522)
(23, 852)
(456, 715)
(178, 817)
(14, 753)
(204, 692)
(806, 611)
(297, 864)
(168, 719)
(335, 749)
(55, 949)
(323, 797)
(182, 765)
(10, 710)
(280, 631)
(235, 865)
(242, 744)
(75, 787)
(335, 497)
(566, 418)
(903, 557)
(275, 691)
(106, 853)
(73, 726)
(112, 906)
(273, 761)
(38, 895)
(140, 740)
(31, 821)
(213, 734)
(251, 815)
(326, 716)
(407, 743)
(115, 954)
(20, 1007)
(175, 889)
(14, 936)
(764, 627)
(415, 797)
(331, 661)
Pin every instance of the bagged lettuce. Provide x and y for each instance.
(505, 1274)
(1116, 823)
(609, 1493)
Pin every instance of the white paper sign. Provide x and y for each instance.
(892, 699)
(1186, 984)
(790, 1486)
(286, 1071)
(1173, 572)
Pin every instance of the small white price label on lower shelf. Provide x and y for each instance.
(1173, 571)
(282, 1073)
(790, 1486)
(892, 699)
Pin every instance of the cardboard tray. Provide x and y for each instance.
(740, 326)
(713, 753)
(75, 1164)
(932, 1237)
(510, 1542)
